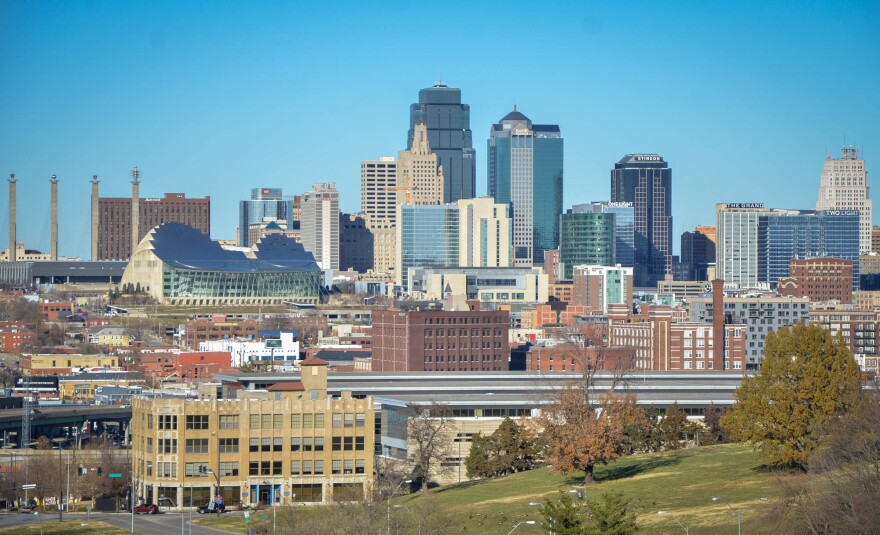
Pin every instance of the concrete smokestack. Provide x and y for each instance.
(95, 217)
(135, 208)
(718, 325)
(12, 218)
(54, 222)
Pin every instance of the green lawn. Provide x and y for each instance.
(681, 482)
(68, 527)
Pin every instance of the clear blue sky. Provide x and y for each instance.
(214, 98)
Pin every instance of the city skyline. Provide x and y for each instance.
(206, 114)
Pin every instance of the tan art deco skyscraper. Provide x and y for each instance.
(844, 186)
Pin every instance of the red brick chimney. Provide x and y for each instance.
(718, 325)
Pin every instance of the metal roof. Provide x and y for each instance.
(184, 247)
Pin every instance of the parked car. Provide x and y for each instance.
(211, 507)
(146, 509)
(25, 509)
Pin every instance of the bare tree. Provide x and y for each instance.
(430, 431)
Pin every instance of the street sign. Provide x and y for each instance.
(115, 475)
(28, 487)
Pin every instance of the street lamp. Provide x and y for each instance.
(530, 522)
(217, 472)
(405, 481)
(740, 512)
(664, 512)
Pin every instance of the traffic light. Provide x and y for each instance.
(100, 470)
(82, 471)
(203, 470)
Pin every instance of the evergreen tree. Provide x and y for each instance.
(674, 427)
(563, 516)
(712, 432)
(511, 448)
(611, 515)
(807, 379)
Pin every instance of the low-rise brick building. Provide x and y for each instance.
(440, 340)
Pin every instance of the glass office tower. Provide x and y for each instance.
(449, 135)
(645, 180)
(264, 202)
(624, 224)
(585, 237)
(525, 171)
(787, 234)
(428, 237)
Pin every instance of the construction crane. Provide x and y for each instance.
(407, 188)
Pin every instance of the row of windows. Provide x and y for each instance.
(261, 421)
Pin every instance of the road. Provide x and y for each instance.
(161, 524)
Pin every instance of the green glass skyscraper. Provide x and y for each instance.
(586, 237)
(525, 171)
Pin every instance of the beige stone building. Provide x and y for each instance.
(485, 238)
(419, 173)
(844, 186)
(290, 443)
(379, 205)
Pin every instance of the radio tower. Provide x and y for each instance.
(26, 413)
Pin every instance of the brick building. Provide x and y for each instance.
(440, 340)
(818, 279)
(56, 311)
(217, 328)
(14, 335)
(114, 234)
(194, 366)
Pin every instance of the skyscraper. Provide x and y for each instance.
(624, 222)
(320, 224)
(420, 175)
(484, 233)
(698, 251)
(585, 237)
(379, 205)
(755, 244)
(264, 202)
(449, 134)
(427, 236)
(525, 171)
(646, 181)
(844, 186)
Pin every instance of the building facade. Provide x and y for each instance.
(320, 224)
(645, 180)
(290, 444)
(525, 171)
(819, 279)
(698, 252)
(420, 177)
(844, 186)
(484, 233)
(178, 265)
(449, 134)
(760, 315)
(585, 237)
(624, 228)
(427, 236)
(787, 234)
(513, 286)
(264, 203)
(355, 243)
(114, 237)
(379, 206)
(440, 340)
(597, 287)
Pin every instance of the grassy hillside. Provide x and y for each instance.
(681, 482)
